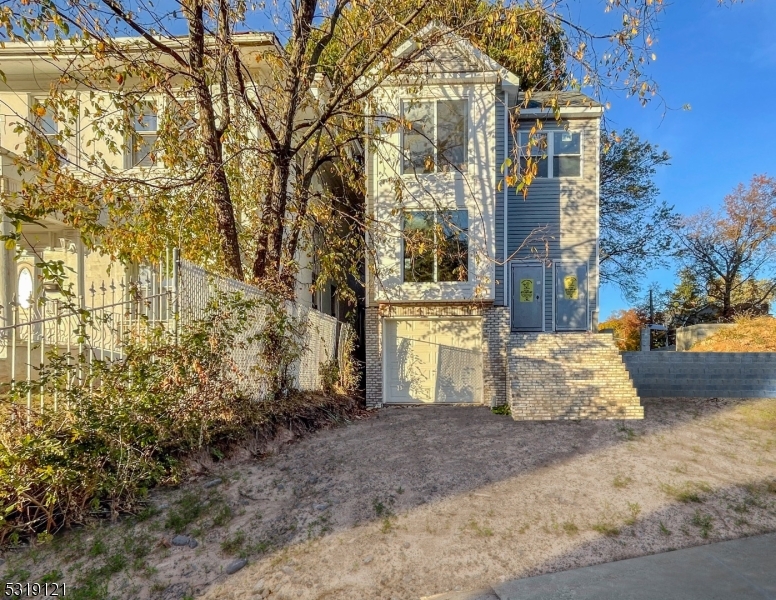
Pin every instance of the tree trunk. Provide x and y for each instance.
(211, 143)
(726, 303)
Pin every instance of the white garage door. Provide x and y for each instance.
(433, 360)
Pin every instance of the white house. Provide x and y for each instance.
(465, 271)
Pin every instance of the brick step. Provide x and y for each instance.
(569, 376)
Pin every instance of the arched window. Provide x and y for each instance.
(24, 288)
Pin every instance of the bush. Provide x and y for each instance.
(122, 429)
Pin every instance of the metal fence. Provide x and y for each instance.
(172, 295)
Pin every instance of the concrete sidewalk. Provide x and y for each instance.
(742, 569)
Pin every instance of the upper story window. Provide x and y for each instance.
(557, 153)
(53, 136)
(437, 138)
(436, 246)
(145, 133)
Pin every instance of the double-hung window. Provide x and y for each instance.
(435, 137)
(436, 246)
(53, 135)
(555, 153)
(144, 135)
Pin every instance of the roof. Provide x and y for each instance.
(442, 52)
(545, 100)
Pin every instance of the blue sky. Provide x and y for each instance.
(721, 61)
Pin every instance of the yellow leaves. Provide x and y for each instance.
(119, 78)
(40, 111)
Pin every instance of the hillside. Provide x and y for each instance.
(747, 335)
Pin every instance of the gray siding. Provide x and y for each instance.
(499, 267)
(569, 206)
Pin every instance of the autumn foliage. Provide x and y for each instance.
(747, 334)
(626, 325)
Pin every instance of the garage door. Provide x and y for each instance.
(433, 360)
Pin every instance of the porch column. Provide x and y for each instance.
(80, 271)
(7, 272)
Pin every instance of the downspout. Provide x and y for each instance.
(506, 273)
(594, 318)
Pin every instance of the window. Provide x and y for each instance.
(24, 288)
(556, 153)
(51, 134)
(437, 138)
(145, 133)
(566, 155)
(436, 246)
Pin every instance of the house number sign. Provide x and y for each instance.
(526, 290)
(570, 289)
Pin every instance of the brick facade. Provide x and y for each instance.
(495, 336)
(374, 357)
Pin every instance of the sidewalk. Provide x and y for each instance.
(742, 569)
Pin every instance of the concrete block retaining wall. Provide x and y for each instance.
(703, 374)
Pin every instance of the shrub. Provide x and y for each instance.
(122, 428)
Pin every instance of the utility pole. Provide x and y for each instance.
(651, 309)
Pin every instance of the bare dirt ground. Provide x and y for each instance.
(418, 501)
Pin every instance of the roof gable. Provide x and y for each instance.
(448, 54)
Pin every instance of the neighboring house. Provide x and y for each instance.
(454, 291)
(29, 75)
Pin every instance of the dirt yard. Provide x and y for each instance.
(418, 501)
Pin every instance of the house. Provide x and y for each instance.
(85, 142)
(475, 292)
(29, 78)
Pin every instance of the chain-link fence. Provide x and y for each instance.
(316, 333)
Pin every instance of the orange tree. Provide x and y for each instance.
(626, 325)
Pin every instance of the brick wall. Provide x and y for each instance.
(569, 376)
(495, 336)
(374, 357)
(703, 374)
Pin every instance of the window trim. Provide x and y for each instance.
(550, 152)
(467, 129)
(435, 280)
(70, 144)
(130, 162)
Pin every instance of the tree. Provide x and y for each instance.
(626, 326)
(240, 186)
(731, 251)
(636, 228)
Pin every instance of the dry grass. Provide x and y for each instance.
(747, 335)
(411, 502)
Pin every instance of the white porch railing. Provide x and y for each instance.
(171, 294)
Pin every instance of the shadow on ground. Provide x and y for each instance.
(422, 500)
